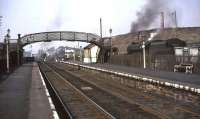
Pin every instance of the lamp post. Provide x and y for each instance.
(74, 54)
(144, 50)
(7, 38)
(144, 55)
(81, 53)
(110, 31)
(152, 35)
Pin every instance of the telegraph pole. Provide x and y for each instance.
(101, 57)
(7, 38)
(175, 20)
(0, 19)
(0, 26)
(18, 49)
(110, 31)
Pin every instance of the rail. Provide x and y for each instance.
(72, 115)
(63, 111)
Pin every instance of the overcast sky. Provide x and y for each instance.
(30, 16)
(27, 16)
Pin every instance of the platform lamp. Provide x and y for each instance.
(81, 58)
(110, 31)
(18, 49)
(7, 39)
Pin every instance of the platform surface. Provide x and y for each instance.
(22, 95)
(173, 76)
(192, 80)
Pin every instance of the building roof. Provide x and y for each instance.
(89, 46)
(187, 34)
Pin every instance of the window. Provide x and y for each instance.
(179, 52)
(194, 51)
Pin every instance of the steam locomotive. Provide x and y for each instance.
(156, 47)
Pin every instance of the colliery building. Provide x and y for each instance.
(164, 48)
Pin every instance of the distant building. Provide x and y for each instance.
(187, 54)
(27, 54)
(91, 52)
(69, 53)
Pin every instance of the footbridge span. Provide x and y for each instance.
(60, 36)
(64, 36)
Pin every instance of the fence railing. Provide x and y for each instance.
(156, 62)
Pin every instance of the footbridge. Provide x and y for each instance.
(61, 36)
(65, 36)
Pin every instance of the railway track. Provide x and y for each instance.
(164, 103)
(76, 105)
(115, 106)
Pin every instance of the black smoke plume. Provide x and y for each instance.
(148, 14)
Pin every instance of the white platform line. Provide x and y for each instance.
(52, 106)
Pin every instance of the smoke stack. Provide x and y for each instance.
(101, 27)
(162, 21)
(175, 20)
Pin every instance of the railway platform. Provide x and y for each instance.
(23, 96)
(174, 79)
(192, 79)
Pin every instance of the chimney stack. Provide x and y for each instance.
(101, 27)
(162, 21)
(175, 20)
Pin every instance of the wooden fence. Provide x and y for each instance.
(155, 62)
